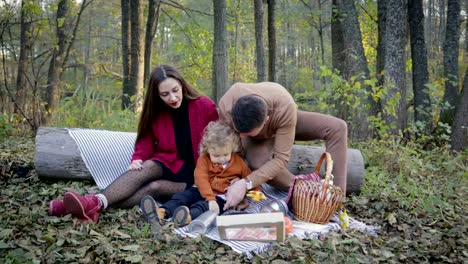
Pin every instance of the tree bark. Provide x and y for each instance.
(394, 102)
(451, 49)
(380, 60)
(355, 67)
(460, 121)
(23, 62)
(271, 41)
(137, 52)
(260, 52)
(58, 157)
(126, 30)
(55, 66)
(422, 100)
(151, 27)
(220, 61)
(338, 55)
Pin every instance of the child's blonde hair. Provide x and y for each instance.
(219, 135)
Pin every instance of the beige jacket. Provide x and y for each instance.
(281, 126)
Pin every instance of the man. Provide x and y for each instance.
(266, 117)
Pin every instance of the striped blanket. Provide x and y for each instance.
(107, 155)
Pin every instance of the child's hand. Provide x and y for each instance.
(213, 205)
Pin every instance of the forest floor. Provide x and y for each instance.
(418, 202)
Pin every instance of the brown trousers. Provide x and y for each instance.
(310, 126)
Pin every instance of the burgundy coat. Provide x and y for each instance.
(161, 144)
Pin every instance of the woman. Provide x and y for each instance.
(171, 126)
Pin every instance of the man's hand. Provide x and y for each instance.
(213, 205)
(235, 193)
(136, 165)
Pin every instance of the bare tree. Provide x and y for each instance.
(23, 62)
(260, 52)
(355, 67)
(126, 90)
(55, 69)
(151, 27)
(137, 51)
(66, 29)
(271, 41)
(460, 121)
(394, 102)
(338, 56)
(422, 101)
(220, 61)
(451, 50)
(381, 25)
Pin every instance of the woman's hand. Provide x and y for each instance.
(213, 205)
(136, 165)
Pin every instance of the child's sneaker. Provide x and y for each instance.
(56, 208)
(85, 208)
(182, 216)
(153, 213)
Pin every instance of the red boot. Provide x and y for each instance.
(56, 208)
(85, 208)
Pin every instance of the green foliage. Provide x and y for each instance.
(6, 128)
(419, 180)
(92, 109)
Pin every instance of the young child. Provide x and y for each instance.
(218, 166)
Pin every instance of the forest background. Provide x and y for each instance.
(394, 70)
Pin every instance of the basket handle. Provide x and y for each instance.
(329, 166)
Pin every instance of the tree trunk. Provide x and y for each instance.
(422, 100)
(126, 31)
(23, 62)
(58, 157)
(380, 60)
(460, 121)
(338, 55)
(86, 69)
(151, 27)
(260, 52)
(394, 102)
(428, 27)
(137, 52)
(355, 67)
(235, 41)
(451, 50)
(220, 61)
(442, 24)
(55, 66)
(271, 41)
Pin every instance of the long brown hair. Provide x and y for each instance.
(153, 103)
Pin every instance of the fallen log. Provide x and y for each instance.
(58, 157)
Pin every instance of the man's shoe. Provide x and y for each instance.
(57, 208)
(85, 208)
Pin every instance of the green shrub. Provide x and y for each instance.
(94, 110)
(6, 129)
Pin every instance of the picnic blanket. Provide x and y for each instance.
(107, 155)
(301, 230)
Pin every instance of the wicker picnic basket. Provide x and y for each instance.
(314, 201)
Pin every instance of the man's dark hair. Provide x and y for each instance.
(248, 113)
